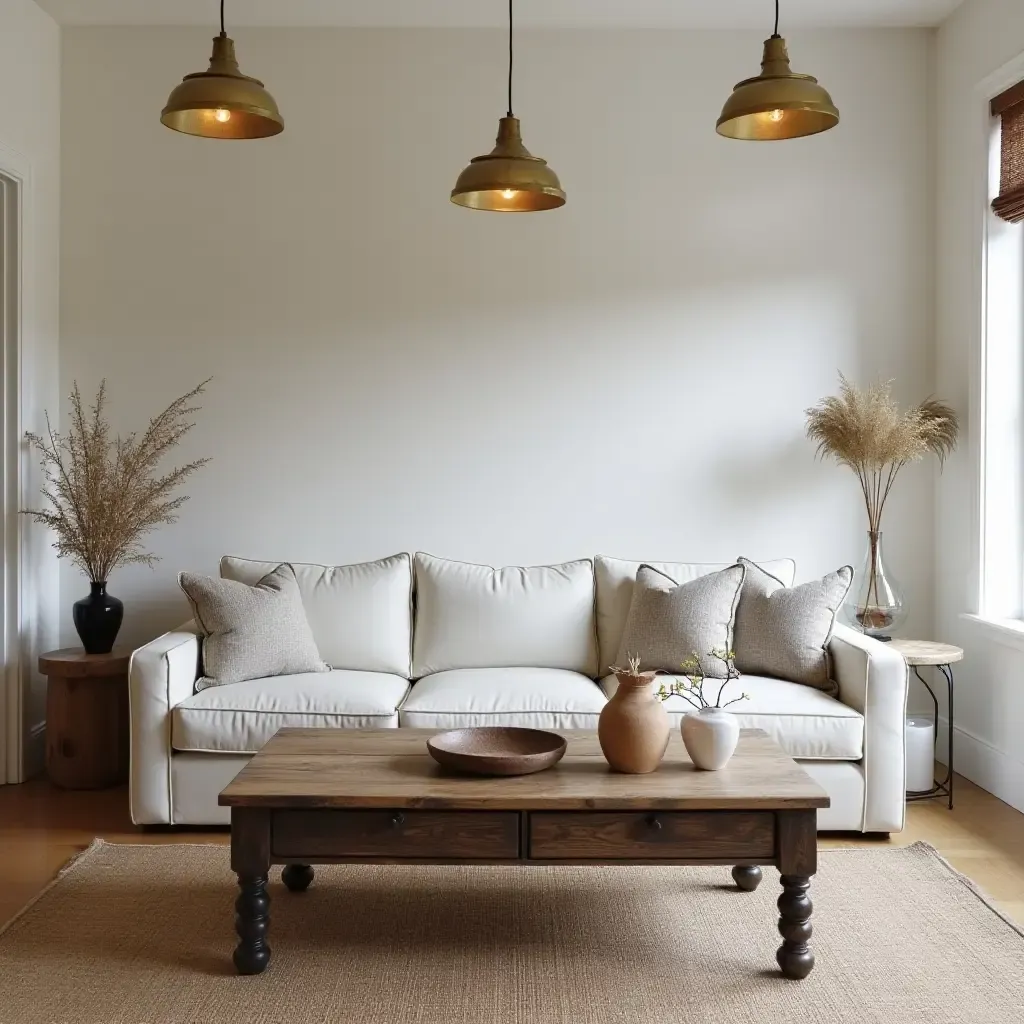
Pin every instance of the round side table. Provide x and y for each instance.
(86, 717)
(918, 653)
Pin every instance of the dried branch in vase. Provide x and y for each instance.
(106, 493)
(692, 689)
(633, 670)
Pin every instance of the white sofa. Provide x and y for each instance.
(431, 643)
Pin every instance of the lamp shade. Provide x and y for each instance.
(778, 103)
(222, 103)
(509, 179)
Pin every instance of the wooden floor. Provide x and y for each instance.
(42, 827)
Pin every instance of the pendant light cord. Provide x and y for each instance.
(775, 34)
(509, 57)
(222, 31)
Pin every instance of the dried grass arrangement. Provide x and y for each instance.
(868, 432)
(106, 493)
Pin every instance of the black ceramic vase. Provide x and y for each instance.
(97, 619)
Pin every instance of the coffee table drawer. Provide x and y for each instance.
(387, 833)
(672, 835)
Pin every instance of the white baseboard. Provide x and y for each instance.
(985, 765)
(34, 754)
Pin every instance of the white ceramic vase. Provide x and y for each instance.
(710, 737)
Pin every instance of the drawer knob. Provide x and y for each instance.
(654, 822)
(397, 819)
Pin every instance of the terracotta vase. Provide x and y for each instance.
(710, 736)
(634, 727)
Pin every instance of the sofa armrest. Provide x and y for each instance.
(873, 680)
(161, 675)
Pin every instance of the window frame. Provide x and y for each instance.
(1006, 629)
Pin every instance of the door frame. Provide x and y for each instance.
(16, 646)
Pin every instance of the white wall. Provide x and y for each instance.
(30, 149)
(627, 375)
(972, 45)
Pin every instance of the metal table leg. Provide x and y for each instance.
(945, 787)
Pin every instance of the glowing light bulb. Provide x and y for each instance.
(222, 115)
(775, 115)
(508, 193)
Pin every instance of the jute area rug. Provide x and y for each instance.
(143, 935)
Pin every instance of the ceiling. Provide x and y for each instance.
(458, 13)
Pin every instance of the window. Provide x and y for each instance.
(1002, 426)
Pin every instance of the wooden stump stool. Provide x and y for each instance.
(86, 717)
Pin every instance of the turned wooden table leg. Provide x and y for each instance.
(795, 907)
(797, 838)
(297, 877)
(747, 877)
(252, 919)
(250, 860)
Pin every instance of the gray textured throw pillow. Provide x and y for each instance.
(251, 632)
(784, 631)
(668, 622)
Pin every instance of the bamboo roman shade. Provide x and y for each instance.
(1008, 106)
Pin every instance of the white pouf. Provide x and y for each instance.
(920, 753)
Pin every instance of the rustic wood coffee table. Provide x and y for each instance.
(333, 796)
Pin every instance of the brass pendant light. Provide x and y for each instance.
(778, 103)
(222, 103)
(509, 179)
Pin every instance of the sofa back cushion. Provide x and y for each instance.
(360, 615)
(615, 578)
(473, 616)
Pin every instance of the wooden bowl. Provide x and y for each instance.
(501, 751)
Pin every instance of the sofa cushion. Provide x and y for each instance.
(250, 632)
(615, 578)
(805, 722)
(539, 698)
(241, 717)
(671, 622)
(784, 631)
(361, 615)
(473, 616)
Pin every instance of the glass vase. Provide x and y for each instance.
(875, 602)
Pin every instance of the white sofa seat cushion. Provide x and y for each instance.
(360, 615)
(805, 722)
(239, 718)
(538, 698)
(614, 578)
(474, 616)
